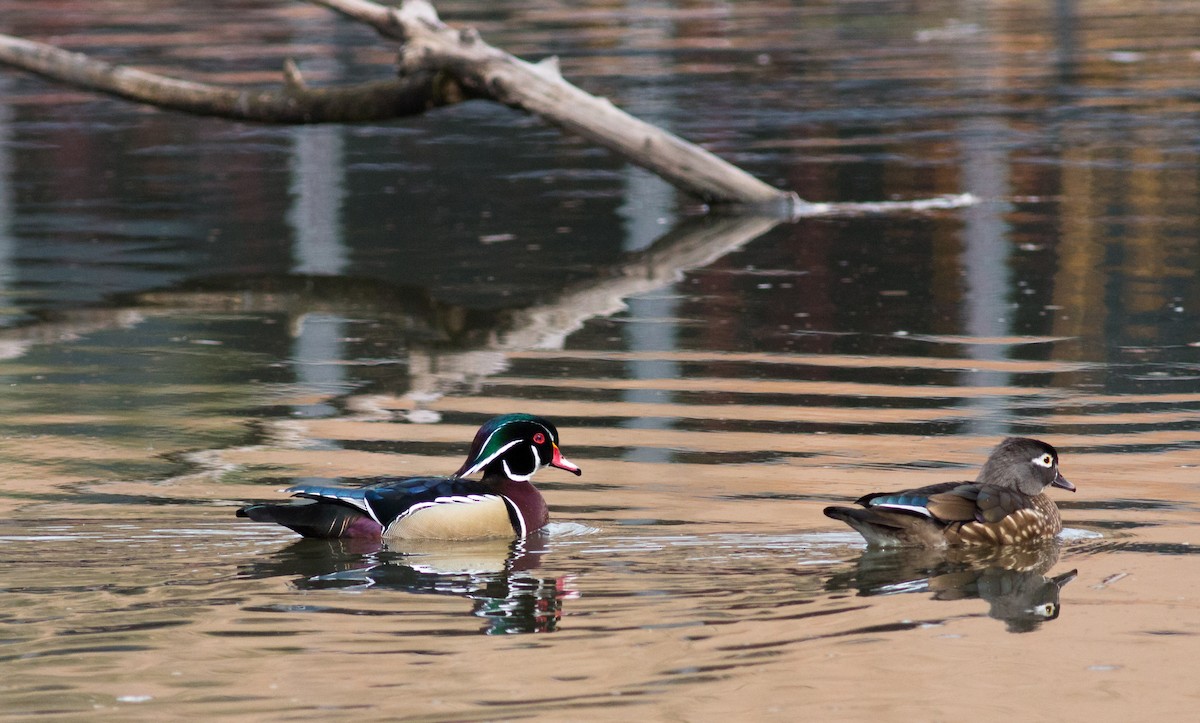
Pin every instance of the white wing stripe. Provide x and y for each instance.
(360, 502)
(357, 501)
(910, 508)
(450, 500)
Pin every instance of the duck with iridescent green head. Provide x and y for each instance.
(508, 450)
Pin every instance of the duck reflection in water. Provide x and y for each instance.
(495, 575)
(1011, 579)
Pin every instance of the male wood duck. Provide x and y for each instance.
(1005, 505)
(508, 450)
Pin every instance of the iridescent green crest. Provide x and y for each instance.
(516, 445)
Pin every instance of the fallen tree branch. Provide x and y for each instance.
(294, 103)
(438, 66)
(490, 72)
(381, 17)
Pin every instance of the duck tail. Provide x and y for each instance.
(881, 529)
(314, 518)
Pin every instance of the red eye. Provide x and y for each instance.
(539, 438)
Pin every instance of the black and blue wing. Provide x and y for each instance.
(946, 502)
(395, 502)
(952, 512)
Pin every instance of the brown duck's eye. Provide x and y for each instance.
(539, 438)
(1044, 461)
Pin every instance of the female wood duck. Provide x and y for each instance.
(508, 450)
(1005, 505)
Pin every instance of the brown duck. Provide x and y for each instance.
(1005, 505)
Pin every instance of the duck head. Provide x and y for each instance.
(515, 446)
(1023, 464)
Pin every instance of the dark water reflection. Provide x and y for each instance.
(195, 313)
(1012, 582)
(497, 578)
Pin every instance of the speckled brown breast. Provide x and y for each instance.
(1037, 521)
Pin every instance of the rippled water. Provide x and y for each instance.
(196, 313)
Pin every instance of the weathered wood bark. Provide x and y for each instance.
(439, 65)
(294, 103)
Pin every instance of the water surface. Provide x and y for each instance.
(197, 313)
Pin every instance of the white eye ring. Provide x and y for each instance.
(1044, 461)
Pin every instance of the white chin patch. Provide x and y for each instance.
(515, 477)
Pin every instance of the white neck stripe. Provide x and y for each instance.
(517, 514)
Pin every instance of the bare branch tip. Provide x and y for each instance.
(549, 66)
(292, 78)
(418, 10)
